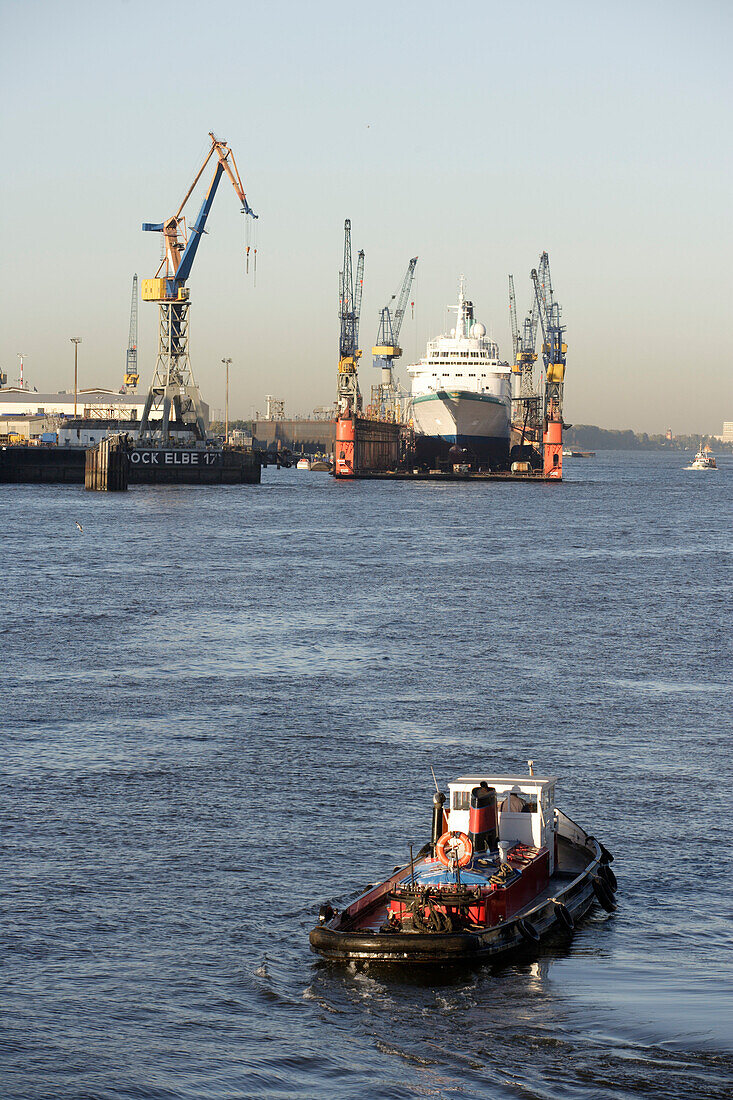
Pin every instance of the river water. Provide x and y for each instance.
(220, 708)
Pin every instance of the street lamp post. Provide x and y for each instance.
(226, 363)
(76, 340)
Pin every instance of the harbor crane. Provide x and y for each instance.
(350, 292)
(132, 376)
(387, 349)
(553, 356)
(173, 386)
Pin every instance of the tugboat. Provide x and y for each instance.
(704, 460)
(503, 868)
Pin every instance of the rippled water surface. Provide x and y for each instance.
(220, 708)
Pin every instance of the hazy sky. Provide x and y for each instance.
(474, 135)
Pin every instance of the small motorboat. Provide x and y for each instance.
(303, 464)
(504, 868)
(704, 460)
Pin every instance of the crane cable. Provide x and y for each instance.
(250, 239)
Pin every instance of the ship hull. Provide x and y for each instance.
(476, 422)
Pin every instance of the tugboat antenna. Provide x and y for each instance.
(435, 781)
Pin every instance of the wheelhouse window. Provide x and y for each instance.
(461, 800)
(517, 802)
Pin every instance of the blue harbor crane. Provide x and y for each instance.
(132, 376)
(350, 292)
(387, 349)
(173, 386)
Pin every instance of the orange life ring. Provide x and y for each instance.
(461, 849)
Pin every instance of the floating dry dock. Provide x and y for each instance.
(112, 466)
(380, 450)
(188, 466)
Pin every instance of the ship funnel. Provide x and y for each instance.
(482, 819)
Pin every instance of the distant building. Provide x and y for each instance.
(29, 427)
(93, 404)
(240, 438)
(668, 435)
(64, 431)
(85, 433)
(727, 431)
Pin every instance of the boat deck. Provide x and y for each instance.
(571, 863)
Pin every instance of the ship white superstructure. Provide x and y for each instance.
(461, 391)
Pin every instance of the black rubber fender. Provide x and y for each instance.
(606, 856)
(604, 895)
(564, 916)
(528, 931)
(608, 877)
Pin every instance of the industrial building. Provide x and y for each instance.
(92, 404)
(99, 412)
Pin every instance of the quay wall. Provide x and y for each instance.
(20, 463)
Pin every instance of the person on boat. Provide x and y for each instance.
(514, 804)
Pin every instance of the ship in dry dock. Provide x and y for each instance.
(461, 395)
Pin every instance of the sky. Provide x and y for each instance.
(474, 136)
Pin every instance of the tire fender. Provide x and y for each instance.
(528, 931)
(603, 894)
(564, 916)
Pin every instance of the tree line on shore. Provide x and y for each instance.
(590, 437)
